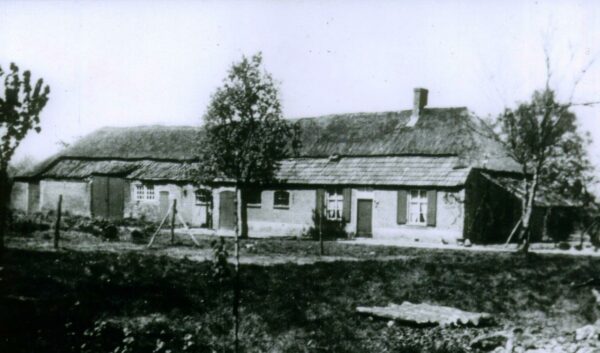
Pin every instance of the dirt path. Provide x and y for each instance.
(190, 253)
(537, 248)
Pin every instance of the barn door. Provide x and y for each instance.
(116, 198)
(227, 210)
(100, 197)
(108, 197)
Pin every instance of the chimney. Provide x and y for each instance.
(419, 102)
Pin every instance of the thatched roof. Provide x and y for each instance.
(360, 140)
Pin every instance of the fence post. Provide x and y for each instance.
(57, 223)
(321, 251)
(173, 214)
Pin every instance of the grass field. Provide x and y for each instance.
(139, 301)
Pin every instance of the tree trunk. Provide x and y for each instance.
(243, 212)
(528, 203)
(236, 280)
(4, 199)
(57, 222)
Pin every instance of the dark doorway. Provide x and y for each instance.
(227, 210)
(364, 222)
(108, 197)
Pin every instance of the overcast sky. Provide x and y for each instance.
(116, 63)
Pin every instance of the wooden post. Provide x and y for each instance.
(173, 214)
(321, 251)
(57, 223)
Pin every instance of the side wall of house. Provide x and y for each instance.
(268, 220)
(76, 196)
(449, 216)
(152, 210)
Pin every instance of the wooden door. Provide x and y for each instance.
(108, 197)
(364, 222)
(116, 198)
(227, 210)
(100, 196)
(163, 202)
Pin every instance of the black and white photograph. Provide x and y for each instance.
(299, 176)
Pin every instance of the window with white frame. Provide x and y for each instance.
(417, 207)
(335, 205)
(144, 192)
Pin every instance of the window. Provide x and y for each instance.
(281, 199)
(417, 207)
(144, 192)
(253, 198)
(149, 192)
(140, 194)
(203, 197)
(335, 205)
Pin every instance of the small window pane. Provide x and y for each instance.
(281, 198)
(139, 192)
(150, 192)
(417, 207)
(203, 197)
(335, 204)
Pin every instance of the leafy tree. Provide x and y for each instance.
(245, 139)
(542, 136)
(20, 108)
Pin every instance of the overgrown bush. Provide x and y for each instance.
(329, 229)
(219, 266)
(23, 224)
(110, 232)
(143, 234)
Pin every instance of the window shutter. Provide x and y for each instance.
(320, 201)
(431, 207)
(347, 204)
(401, 207)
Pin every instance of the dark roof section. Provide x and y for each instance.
(439, 132)
(388, 171)
(544, 197)
(394, 170)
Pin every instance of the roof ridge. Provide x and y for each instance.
(383, 112)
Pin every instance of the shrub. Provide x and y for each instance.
(563, 245)
(219, 266)
(110, 232)
(143, 234)
(24, 224)
(329, 229)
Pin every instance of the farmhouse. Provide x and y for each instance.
(422, 174)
